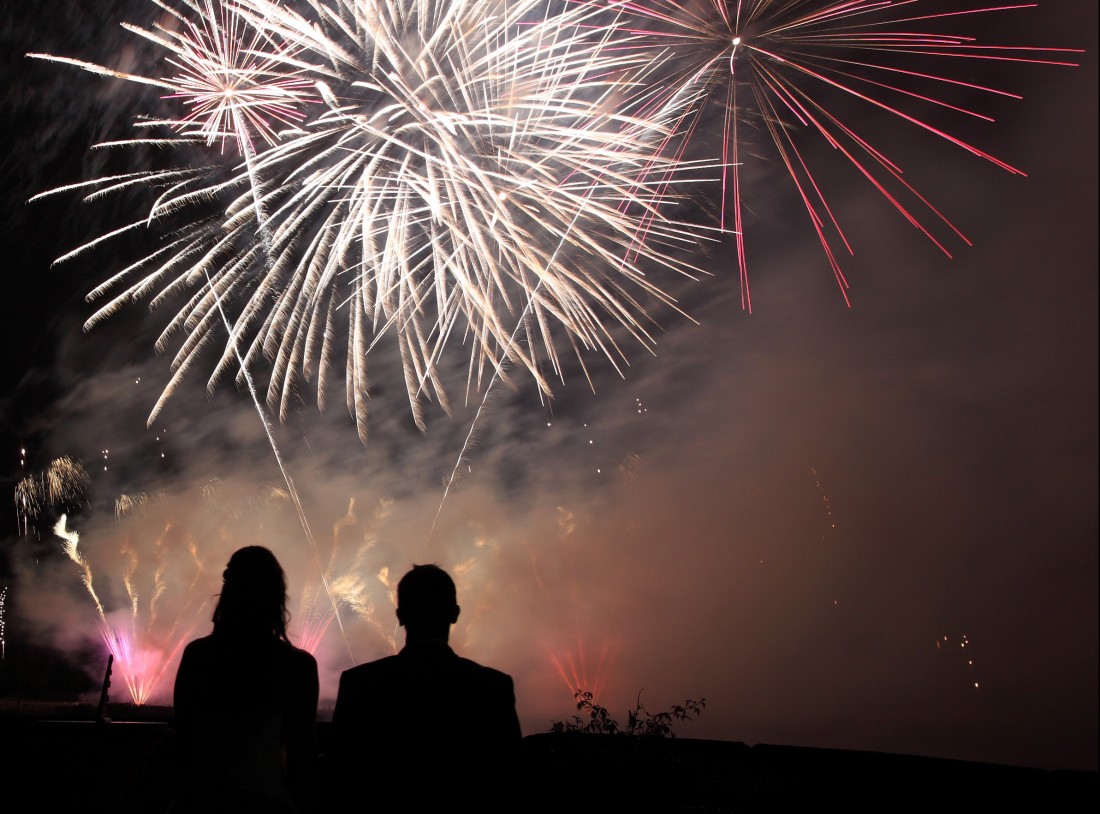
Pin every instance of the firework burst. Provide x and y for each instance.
(468, 171)
(233, 77)
(62, 486)
(801, 70)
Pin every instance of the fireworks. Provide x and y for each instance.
(142, 658)
(445, 168)
(63, 485)
(499, 172)
(167, 591)
(153, 588)
(151, 577)
(28, 503)
(807, 69)
(72, 550)
(339, 175)
(66, 481)
(345, 583)
(581, 656)
(234, 89)
(577, 667)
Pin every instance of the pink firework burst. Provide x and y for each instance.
(805, 69)
(233, 76)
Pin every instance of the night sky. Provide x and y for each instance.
(867, 527)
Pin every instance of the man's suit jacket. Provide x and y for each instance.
(424, 713)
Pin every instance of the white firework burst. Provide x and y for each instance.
(468, 171)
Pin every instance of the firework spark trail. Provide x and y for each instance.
(28, 504)
(578, 671)
(470, 183)
(352, 591)
(233, 87)
(71, 542)
(829, 530)
(797, 59)
(964, 643)
(497, 373)
(65, 481)
(3, 623)
(830, 519)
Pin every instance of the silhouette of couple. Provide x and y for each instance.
(416, 729)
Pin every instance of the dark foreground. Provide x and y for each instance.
(68, 761)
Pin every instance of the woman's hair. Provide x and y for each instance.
(253, 597)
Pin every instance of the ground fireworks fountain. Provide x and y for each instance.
(150, 576)
(581, 654)
(167, 590)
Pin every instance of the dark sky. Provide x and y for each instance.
(802, 514)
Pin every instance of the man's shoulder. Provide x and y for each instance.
(482, 671)
(370, 669)
(401, 666)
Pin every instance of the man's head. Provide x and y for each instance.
(427, 604)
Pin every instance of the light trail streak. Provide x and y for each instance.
(71, 540)
(3, 622)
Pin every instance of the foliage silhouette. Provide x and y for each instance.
(593, 719)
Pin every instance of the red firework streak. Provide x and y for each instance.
(787, 65)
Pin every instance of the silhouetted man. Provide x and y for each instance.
(425, 725)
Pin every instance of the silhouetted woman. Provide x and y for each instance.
(246, 701)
